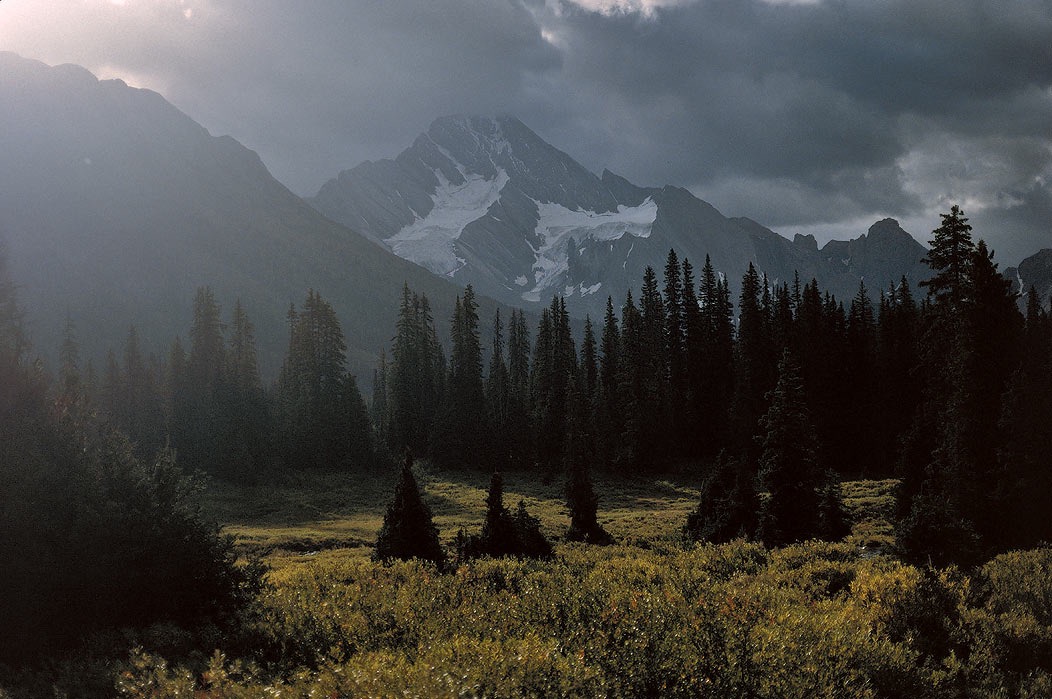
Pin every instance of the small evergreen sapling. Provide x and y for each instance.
(408, 530)
(504, 533)
(728, 505)
(583, 504)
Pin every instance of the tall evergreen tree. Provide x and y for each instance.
(415, 376)
(518, 439)
(379, 410)
(675, 356)
(789, 465)
(581, 498)
(753, 367)
(69, 362)
(14, 343)
(457, 438)
(322, 417)
(244, 420)
(952, 499)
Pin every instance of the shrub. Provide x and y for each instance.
(94, 539)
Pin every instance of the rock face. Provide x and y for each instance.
(486, 201)
(1035, 271)
(115, 207)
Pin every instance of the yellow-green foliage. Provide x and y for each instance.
(714, 621)
(641, 618)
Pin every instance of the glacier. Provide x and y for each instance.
(557, 224)
(429, 241)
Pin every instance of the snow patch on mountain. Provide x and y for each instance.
(558, 224)
(430, 241)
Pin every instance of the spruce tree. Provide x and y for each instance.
(581, 498)
(728, 507)
(518, 437)
(498, 531)
(789, 466)
(457, 438)
(408, 530)
(753, 366)
(69, 362)
(952, 502)
(322, 416)
(415, 375)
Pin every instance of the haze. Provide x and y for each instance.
(814, 117)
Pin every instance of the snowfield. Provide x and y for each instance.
(429, 241)
(557, 224)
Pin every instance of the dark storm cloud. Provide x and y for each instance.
(793, 113)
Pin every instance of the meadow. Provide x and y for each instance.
(645, 617)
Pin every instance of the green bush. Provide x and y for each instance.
(93, 539)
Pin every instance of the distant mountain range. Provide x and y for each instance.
(116, 206)
(486, 201)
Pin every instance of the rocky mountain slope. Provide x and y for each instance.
(486, 201)
(115, 207)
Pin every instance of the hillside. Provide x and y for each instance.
(116, 206)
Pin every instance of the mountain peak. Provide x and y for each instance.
(484, 200)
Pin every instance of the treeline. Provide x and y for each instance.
(783, 392)
(207, 402)
(92, 537)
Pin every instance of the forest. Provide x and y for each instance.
(771, 405)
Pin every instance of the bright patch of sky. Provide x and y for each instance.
(557, 224)
(430, 241)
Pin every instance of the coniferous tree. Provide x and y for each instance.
(729, 504)
(753, 368)
(504, 533)
(532, 542)
(712, 354)
(675, 356)
(789, 466)
(589, 361)
(630, 391)
(498, 531)
(1025, 489)
(322, 416)
(581, 499)
(654, 397)
(14, 343)
(379, 411)
(138, 410)
(554, 371)
(457, 438)
(408, 530)
(609, 416)
(244, 421)
(194, 407)
(899, 387)
(518, 437)
(498, 385)
(952, 502)
(415, 375)
(833, 520)
(859, 443)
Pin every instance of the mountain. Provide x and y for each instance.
(1035, 271)
(486, 201)
(116, 206)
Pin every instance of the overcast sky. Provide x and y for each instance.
(807, 115)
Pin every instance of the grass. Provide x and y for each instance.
(321, 516)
